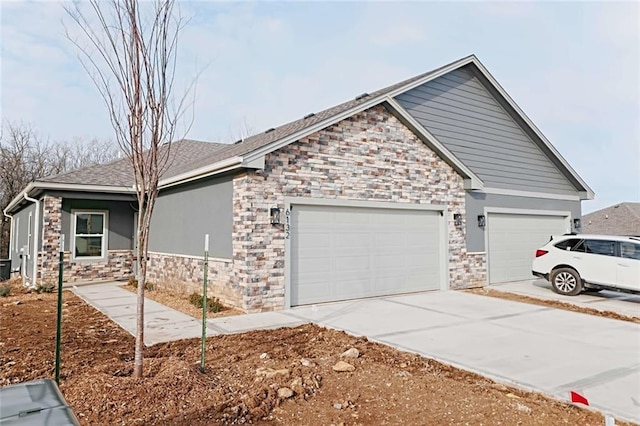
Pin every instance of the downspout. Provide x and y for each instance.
(10, 216)
(36, 225)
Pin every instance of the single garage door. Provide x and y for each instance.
(340, 253)
(513, 240)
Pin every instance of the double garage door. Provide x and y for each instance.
(340, 253)
(513, 240)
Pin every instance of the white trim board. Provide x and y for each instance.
(528, 194)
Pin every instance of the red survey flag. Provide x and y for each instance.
(576, 397)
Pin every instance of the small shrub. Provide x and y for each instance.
(5, 290)
(213, 304)
(46, 288)
(133, 282)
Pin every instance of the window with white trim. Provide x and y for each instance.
(89, 234)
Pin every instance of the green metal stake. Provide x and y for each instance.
(204, 302)
(59, 320)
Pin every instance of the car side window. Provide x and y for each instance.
(630, 250)
(603, 247)
(567, 244)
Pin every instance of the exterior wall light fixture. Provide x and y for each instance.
(457, 219)
(274, 213)
(576, 224)
(482, 221)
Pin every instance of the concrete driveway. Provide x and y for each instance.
(612, 301)
(535, 347)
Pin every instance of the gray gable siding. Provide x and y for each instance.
(470, 122)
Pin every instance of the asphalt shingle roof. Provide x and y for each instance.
(620, 219)
(191, 155)
(184, 154)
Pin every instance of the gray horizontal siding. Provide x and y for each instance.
(466, 118)
(21, 224)
(182, 216)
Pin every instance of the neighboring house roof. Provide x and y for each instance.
(250, 152)
(619, 219)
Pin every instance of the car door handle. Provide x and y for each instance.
(623, 265)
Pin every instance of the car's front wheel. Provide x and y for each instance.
(566, 281)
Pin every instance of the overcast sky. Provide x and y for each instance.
(574, 68)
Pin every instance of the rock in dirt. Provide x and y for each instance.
(270, 372)
(285, 393)
(306, 363)
(342, 366)
(523, 408)
(337, 406)
(264, 355)
(499, 386)
(512, 395)
(17, 302)
(350, 353)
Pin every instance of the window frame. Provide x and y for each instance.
(105, 234)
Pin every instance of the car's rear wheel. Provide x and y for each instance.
(566, 281)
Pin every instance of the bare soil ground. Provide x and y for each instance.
(553, 304)
(241, 385)
(181, 303)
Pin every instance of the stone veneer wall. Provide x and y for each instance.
(118, 266)
(369, 156)
(184, 274)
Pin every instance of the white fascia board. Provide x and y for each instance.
(529, 194)
(351, 111)
(209, 170)
(590, 195)
(471, 180)
(38, 186)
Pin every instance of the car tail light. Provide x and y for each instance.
(541, 252)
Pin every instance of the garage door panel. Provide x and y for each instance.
(513, 239)
(368, 252)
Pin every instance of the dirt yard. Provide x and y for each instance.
(284, 376)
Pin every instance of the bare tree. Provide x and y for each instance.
(26, 157)
(78, 153)
(130, 54)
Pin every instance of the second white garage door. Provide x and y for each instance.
(340, 253)
(513, 240)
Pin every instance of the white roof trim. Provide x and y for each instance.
(529, 194)
(202, 172)
(512, 103)
(34, 186)
(435, 145)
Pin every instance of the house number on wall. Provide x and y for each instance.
(287, 224)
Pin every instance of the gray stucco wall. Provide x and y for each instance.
(473, 124)
(183, 215)
(120, 223)
(477, 201)
(21, 220)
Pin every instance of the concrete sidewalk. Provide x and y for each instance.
(610, 301)
(164, 324)
(533, 347)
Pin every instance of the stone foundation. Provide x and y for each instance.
(118, 266)
(185, 274)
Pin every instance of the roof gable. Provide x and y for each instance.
(472, 123)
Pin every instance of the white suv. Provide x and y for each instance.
(573, 263)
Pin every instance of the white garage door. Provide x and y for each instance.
(340, 253)
(513, 240)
